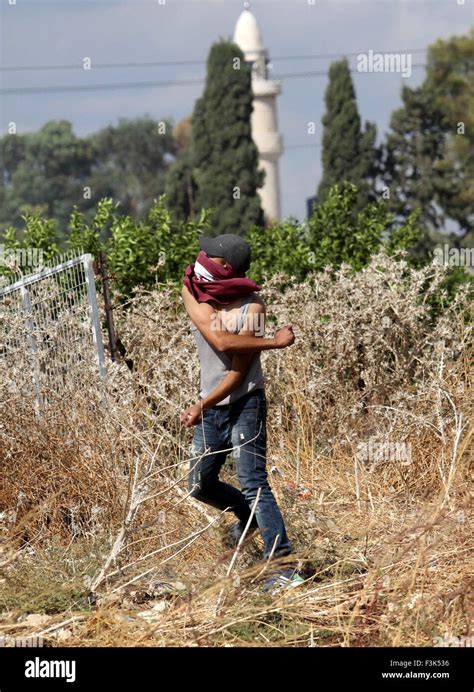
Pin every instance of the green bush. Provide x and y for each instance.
(156, 248)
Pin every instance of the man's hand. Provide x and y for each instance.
(191, 416)
(285, 337)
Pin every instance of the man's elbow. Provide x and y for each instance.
(238, 377)
(221, 344)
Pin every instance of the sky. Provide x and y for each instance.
(39, 33)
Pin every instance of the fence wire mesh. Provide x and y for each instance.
(50, 331)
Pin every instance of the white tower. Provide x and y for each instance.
(264, 116)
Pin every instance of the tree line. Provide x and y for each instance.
(202, 174)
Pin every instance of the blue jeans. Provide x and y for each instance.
(240, 428)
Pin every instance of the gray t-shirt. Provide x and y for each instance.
(215, 365)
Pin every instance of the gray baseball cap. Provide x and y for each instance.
(233, 248)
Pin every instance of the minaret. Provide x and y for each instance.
(264, 116)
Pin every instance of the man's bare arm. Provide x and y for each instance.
(233, 379)
(239, 367)
(204, 318)
(240, 364)
(240, 361)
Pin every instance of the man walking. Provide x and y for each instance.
(228, 318)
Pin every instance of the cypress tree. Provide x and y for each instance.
(181, 188)
(223, 155)
(349, 153)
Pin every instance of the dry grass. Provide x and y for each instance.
(94, 499)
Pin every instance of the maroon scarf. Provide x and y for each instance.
(225, 287)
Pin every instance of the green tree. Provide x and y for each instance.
(428, 155)
(52, 171)
(450, 80)
(335, 233)
(38, 233)
(181, 188)
(90, 236)
(157, 247)
(143, 251)
(414, 148)
(348, 154)
(338, 234)
(130, 163)
(283, 247)
(44, 170)
(224, 156)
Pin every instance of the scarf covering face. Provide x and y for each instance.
(207, 280)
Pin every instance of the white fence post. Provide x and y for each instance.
(94, 311)
(32, 347)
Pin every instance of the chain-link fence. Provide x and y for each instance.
(50, 328)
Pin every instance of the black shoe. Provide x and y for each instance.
(235, 531)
